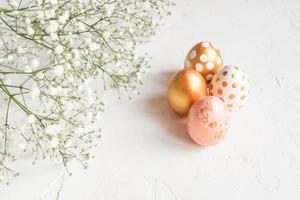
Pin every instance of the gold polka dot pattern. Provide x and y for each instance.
(231, 85)
(204, 58)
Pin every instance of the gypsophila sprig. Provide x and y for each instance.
(50, 50)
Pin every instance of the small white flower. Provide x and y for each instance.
(59, 89)
(35, 91)
(103, 101)
(53, 2)
(52, 91)
(58, 159)
(54, 143)
(54, 36)
(67, 14)
(10, 58)
(50, 13)
(109, 9)
(13, 3)
(24, 59)
(68, 66)
(22, 146)
(147, 5)
(7, 81)
(76, 54)
(49, 130)
(27, 21)
(89, 117)
(34, 63)
(87, 81)
(129, 45)
(90, 100)
(20, 50)
(59, 70)
(88, 41)
(79, 130)
(81, 88)
(127, 17)
(52, 27)
(59, 49)
(71, 79)
(40, 15)
(30, 30)
(99, 117)
(106, 35)
(69, 107)
(135, 92)
(69, 143)
(27, 68)
(104, 55)
(68, 56)
(76, 63)
(81, 26)
(53, 129)
(62, 19)
(31, 119)
(94, 46)
(131, 30)
(40, 75)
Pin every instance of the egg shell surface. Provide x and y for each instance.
(231, 85)
(205, 58)
(208, 121)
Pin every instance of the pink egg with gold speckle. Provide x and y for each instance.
(208, 121)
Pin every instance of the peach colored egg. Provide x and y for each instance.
(205, 58)
(208, 121)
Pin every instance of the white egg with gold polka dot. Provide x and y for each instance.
(231, 85)
(205, 58)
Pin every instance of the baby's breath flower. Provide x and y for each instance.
(35, 91)
(50, 52)
(29, 30)
(34, 63)
(52, 26)
(59, 70)
(22, 146)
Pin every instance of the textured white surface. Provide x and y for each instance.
(145, 153)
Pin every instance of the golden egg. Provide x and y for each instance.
(205, 58)
(186, 87)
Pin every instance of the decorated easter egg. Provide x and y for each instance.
(231, 85)
(208, 121)
(204, 58)
(185, 88)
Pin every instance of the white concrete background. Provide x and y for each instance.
(145, 152)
